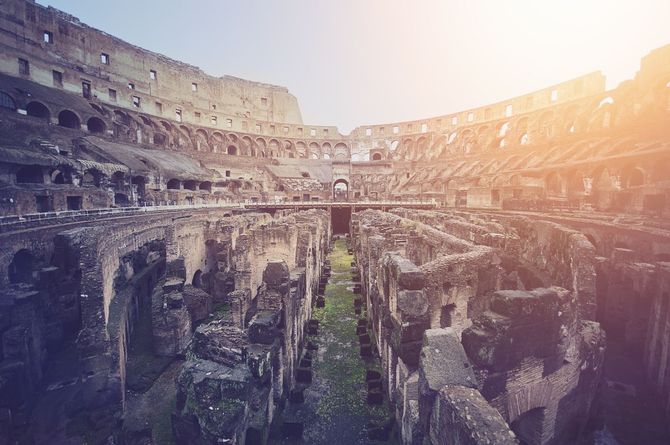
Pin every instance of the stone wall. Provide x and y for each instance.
(531, 351)
(242, 367)
(172, 80)
(89, 287)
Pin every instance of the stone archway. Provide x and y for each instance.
(341, 190)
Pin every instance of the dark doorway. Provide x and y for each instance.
(197, 279)
(67, 118)
(73, 202)
(340, 218)
(37, 109)
(495, 197)
(22, 267)
(529, 426)
(447, 315)
(43, 203)
(121, 200)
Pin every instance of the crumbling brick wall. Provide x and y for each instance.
(412, 265)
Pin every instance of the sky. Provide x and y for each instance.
(359, 62)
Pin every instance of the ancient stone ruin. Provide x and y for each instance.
(184, 261)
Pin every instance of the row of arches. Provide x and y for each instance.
(588, 115)
(144, 129)
(591, 115)
(567, 183)
(169, 135)
(65, 118)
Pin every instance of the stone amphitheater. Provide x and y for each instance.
(184, 261)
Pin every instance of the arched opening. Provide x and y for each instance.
(67, 118)
(140, 183)
(341, 151)
(7, 102)
(468, 141)
(529, 426)
(185, 131)
(633, 177)
(201, 139)
(377, 157)
(341, 190)
(232, 150)
(173, 184)
(197, 279)
(217, 142)
(122, 118)
(38, 109)
(314, 150)
(503, 129)
(301, 149)
(29, 174)
(205, 185)
(22, 267)
(98, 108)
(247, 146)
(160, 139)
(327, 150)
(146, 121)
(191, 185)
(91, 178)
(96, 125)
(118, 180)
(166, 126)
(274, 149)
(61, 177)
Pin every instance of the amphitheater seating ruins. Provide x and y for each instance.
(166, 241)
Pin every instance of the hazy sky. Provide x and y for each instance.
(357, 62)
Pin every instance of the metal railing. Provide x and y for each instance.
(74, 215)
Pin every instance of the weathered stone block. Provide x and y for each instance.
(198, 302)
(443, 362)
(413, 304)
(276, 274)
(173, 284)
(263, 327)
(461, 416)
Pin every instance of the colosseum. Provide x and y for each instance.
(184, 261)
